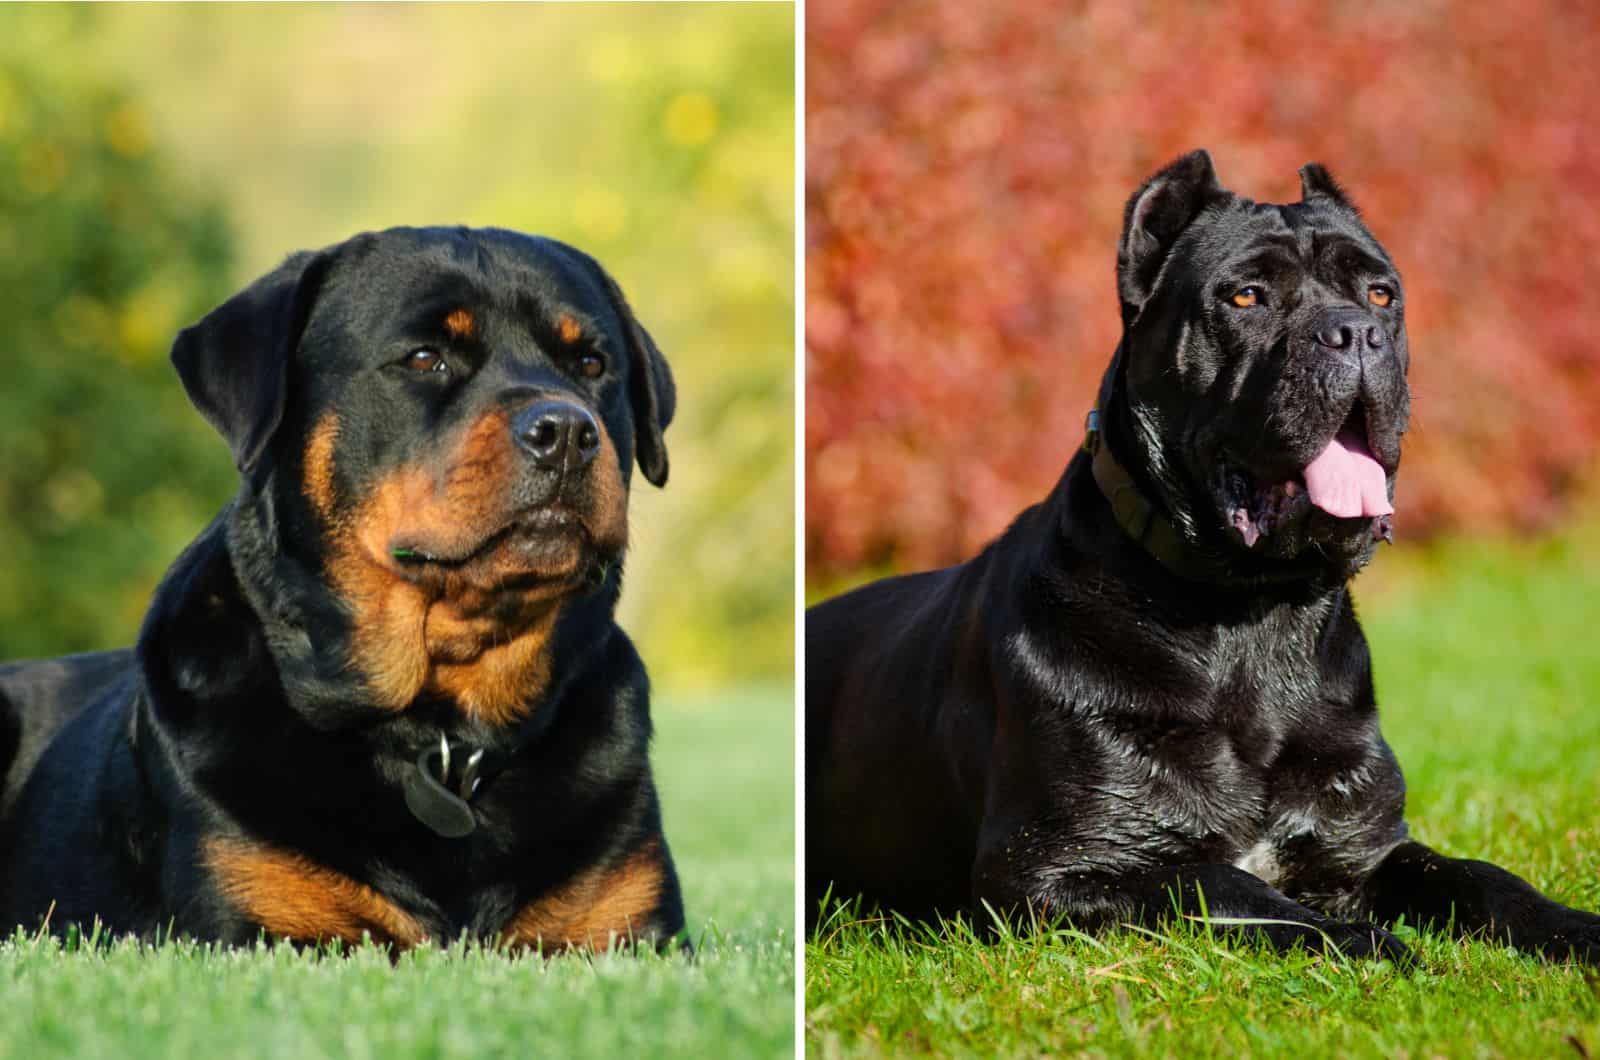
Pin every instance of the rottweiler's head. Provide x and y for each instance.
(1261, 384)
(443, 423)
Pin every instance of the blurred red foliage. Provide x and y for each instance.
(966, 167)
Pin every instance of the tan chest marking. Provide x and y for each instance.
(601, 906)
(293, 897)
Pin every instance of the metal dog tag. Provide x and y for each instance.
(430, 802)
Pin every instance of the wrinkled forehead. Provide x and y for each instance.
(1246, 236)
(475, 285)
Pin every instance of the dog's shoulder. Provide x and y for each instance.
(39, 696)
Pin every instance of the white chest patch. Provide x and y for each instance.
(1261, 861)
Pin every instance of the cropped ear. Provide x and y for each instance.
(1317, 183)
(651, 392)
(233, 363)
(1155, 216)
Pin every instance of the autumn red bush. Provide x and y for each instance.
(966, 167)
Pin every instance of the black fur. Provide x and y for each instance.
(1067, 725)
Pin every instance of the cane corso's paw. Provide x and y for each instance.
(1575, 935)
(1361, 939)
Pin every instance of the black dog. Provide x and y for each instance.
(383, 692)
(1151, 692)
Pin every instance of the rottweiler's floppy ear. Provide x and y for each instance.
(1317, 183)
(651, 392)
(1155, 217)
(233, 362)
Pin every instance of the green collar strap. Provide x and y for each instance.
(1139, 518)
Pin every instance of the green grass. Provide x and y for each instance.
(725, 768)
(1489, 680)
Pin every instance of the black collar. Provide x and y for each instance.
(1139, 518)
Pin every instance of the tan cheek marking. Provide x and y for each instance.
(598, 906)
(490, 681)
(461, 324)
(569, 329)
(319, 465)
(495, 684)
(391, 614)
(293, 897)
(610, 517)
(451, 511)
(388, 612)
(407, 639)
(482, 468)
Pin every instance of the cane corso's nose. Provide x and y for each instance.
(1348, 330)
(557, 434)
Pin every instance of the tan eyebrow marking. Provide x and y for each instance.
(461, 324)
(569, 328)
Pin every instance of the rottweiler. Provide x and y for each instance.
(383, 693)
(1150, 696)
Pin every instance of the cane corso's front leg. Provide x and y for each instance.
(1475, 897)
(1224, 895)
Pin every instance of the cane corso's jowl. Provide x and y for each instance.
(1151, 693)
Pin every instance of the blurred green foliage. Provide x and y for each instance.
(104, 252)
(154, 159)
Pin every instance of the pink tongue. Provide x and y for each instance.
(1345, 480)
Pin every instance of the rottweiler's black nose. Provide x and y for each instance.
(557, 434)
(1350, 330)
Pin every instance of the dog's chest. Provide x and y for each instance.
(1195, 763)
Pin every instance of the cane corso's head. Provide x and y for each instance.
(439, 425)
(1261, 384)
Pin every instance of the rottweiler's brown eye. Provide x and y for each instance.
(1245, 297)
(591, 365)
(426, 360)
(1379, 295)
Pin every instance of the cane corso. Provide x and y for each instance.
(1150, 695)
(383, 693)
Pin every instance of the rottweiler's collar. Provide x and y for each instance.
(1138, 517)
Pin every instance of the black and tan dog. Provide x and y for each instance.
(383, 692)
(1152, 691)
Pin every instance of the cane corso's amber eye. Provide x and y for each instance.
(591, 365)
(1246, 297)
(426, 360)
(1379, 295)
